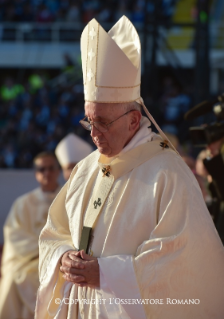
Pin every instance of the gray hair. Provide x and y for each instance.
(130, 106)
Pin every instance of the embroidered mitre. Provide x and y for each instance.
(111, 65)
(111, 62)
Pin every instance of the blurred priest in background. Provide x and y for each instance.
(27, 217)
(71, 150)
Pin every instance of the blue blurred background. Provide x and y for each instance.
(41, 90)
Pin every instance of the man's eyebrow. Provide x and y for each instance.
(100, 119)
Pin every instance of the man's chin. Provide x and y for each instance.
(104, 150)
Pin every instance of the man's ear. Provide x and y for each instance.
(135, 118)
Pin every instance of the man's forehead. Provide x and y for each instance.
(101, 110)
(92, 106)
(46, 159)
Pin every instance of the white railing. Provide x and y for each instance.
(29, 32)
(52, 32)
(71, 32)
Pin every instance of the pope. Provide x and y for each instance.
(131, 222)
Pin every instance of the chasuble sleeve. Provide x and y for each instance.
(19, 262)
(182, 260)
(20, 242)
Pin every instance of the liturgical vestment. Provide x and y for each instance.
(20, 280)
(158, 251)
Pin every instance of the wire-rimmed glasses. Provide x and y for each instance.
(102, 127)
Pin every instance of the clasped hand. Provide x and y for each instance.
(80, 268)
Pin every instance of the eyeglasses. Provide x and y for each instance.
(42, 169)
(102, 127)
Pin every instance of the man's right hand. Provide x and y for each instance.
(80, 268)
(71, 263)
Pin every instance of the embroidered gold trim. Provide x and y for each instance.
(113, 101)
(106, 171)
(87, 53)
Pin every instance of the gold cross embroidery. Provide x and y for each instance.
(106, 171)
(164, 144)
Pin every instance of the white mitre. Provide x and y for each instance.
(111, 65)
(111, 62)
(72, 149)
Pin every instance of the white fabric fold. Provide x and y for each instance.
(53, 282)
(154, 229)
(19, 282)
(118, 282)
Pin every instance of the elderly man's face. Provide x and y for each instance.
(119, 133)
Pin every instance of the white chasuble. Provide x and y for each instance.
(20, 280)
(154, 239)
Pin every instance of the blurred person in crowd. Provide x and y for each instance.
(209, 166)
(174, 104)
(90, 9)
(68, 63)
(63, 108)
(73, 14)
(191, 162)
(213, 162)
(131, 222)
(10, 90)
(43, 115)
(199, 166)
(27, 13)
(205, 178)
(36, 82)
(105, 13)
(122, 9)
(53, 5)
(26, 116)
(2, 160)
(138, 14)
(9, 155)
(24, 160)
(38, 118)
(168, 7)
(28, 215)
(9, 12)
(44, 14)
(71, 150)
(51, 143)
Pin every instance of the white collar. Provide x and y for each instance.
(143, 135)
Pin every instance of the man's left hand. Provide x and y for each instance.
(90, 272)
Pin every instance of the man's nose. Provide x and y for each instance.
(95, 132)
(47, 173)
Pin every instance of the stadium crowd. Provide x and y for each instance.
(35, 117)
(79, 10)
